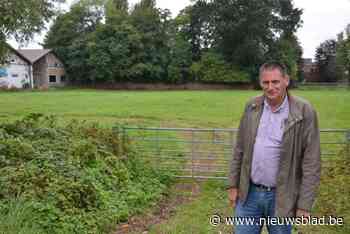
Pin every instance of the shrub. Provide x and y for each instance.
(78, 177)
(212, 68)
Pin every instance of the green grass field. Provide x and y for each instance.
(198, 109)
(163, 108)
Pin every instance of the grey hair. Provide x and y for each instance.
(272, 66)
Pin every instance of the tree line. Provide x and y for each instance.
(208, 41)
(333, 58)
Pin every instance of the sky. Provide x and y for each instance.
(322, 20)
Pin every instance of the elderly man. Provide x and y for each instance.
(275, 169)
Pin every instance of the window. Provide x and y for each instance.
(63, 79)
(52, 79)
(58, 65)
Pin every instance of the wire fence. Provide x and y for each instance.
(206, 153)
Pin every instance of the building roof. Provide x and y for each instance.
(18, 54)
(33, 55)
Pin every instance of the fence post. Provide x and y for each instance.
(158, 145)
(124, 139)
(192, 153)
(347, 139)
(118, 131)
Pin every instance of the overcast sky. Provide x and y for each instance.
(323, 19)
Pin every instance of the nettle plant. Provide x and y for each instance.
(76, 177)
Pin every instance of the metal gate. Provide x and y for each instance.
(205, 153)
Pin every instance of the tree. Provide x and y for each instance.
(288, 18)
(81, 20)
(288, 51)
(286, 47)
(21, 19)
(343, 55)
(70, 34)
(246, 30)
(77, 62)
(116, 11)
(151, 23)
(144, 44)
(112, 53)
(326, 60)
(196, 26)
(245, 33)
(180, 56)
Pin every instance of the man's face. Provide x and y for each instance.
(274, 84)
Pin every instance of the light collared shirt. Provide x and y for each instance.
(267, 147)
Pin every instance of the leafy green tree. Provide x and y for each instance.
(343, 56)
(180, 58)
(69, 36)
(197, 27)
(116, 11)
(144, 44)
(245, 33)
(81, 20)
(151, 23)
(326, 60)
(113, 53)
(77, 62)
(288, 51)
(242, 29)
(287, 18)
(246, 30)
(286, 47)
(21, 19)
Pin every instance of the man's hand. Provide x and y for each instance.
(303, 213)
(232, 196)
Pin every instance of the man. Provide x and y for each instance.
(275, 169)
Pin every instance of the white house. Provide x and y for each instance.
(32, 68)
(48, 69)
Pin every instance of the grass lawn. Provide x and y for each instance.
(198, 109)
(214, 109)
(194, 217)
